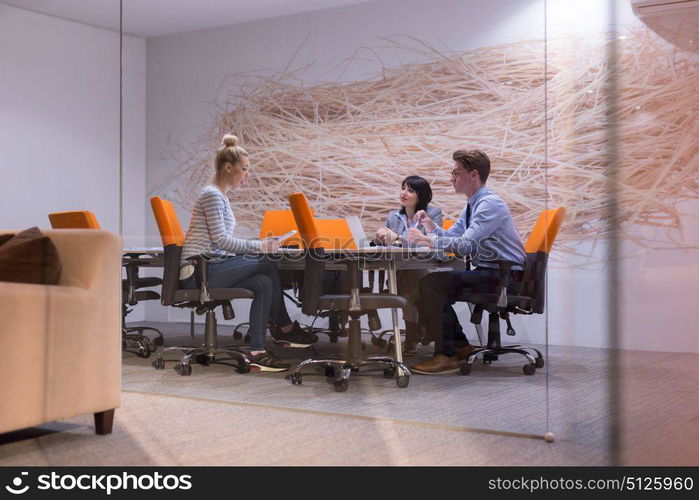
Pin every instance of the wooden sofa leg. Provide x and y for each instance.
(104, 421)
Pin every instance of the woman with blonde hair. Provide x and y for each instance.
(231, 264)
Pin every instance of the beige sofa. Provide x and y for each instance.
(61, 344)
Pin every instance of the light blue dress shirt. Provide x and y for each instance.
(399, 224)
(489, 235)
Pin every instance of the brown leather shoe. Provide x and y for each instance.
(463, 352)
(437, 365)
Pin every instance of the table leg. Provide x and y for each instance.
(393, 288)
(354, 340)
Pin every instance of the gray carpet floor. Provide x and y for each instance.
(494, 416)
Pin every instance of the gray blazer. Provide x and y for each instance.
(399, 224)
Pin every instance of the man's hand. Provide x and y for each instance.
(269, 245)
(421, 218)
(415, 236)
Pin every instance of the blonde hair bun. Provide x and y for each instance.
(229, 140)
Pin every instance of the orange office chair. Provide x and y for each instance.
(327, 234)
(354, 304)
(278, 223)
(203, 299)
(529, 299)
(131, 293)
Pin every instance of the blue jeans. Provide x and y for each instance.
(259, 275)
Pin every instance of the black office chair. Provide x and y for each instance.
(203, 300)
(132, 294)
(525, 295)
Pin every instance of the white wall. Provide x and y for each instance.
(59, 125)
(184, 89)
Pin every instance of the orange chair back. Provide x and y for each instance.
(81, 219)
(336, 233)
(303, 215)
(319, 233)
(279, 222)
(545, 230)
(168, 223)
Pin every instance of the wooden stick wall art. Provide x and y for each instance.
(348, 146)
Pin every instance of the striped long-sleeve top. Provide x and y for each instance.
(210, 231)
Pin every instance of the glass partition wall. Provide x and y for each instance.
(342, 104)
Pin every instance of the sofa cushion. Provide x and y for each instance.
(29, 257)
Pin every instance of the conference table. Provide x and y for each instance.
(379, 258)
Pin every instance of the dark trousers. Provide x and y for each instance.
(438, 291)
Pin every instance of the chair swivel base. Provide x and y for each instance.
(340, 368)
(204, 356)
(158, 340)
(534, 357)
(144, 347)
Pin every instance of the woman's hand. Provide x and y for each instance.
(421, 218)
(386, 236)
(269, 245)
(416, 237)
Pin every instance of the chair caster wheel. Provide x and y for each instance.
(465, 369)
(243, 368)
(158, 341)
(402, 381)
(389, 372)
(489, 357)
(158, 363)
(529, 369)
(143, 352)
(379, 342)
(246, 339)
(237, 335)
(329, 371)
(340, 385)
(539, 362)
(202, 359)
(294, 378)
(184, 370)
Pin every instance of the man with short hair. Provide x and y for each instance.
(485, 231)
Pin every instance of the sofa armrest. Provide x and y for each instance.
(91, 258)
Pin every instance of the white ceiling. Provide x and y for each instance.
(149, 18)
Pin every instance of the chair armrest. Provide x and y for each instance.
(201, 273)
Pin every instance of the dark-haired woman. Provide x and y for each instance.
(415, 195)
